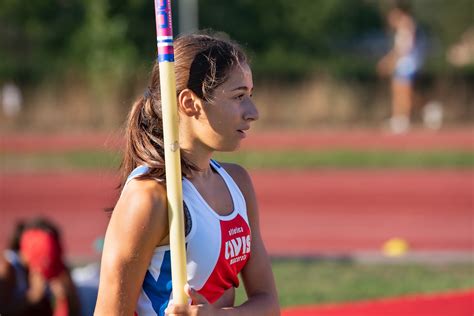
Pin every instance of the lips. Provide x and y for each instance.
(242, 132)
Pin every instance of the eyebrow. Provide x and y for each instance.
(241, 88)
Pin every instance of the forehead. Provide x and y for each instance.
(239, 76)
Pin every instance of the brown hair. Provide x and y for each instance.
(202, 63)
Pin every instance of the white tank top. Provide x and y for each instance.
(217, 248)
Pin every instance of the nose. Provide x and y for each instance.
(251, 112)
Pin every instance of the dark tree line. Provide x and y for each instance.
(286, 39)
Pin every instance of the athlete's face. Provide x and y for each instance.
(227, 118)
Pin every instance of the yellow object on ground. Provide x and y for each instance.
(395, 247)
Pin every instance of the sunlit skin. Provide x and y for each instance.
(217, 126)
(222, 124)
(139, 221)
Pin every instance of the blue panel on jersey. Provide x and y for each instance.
(159, 291)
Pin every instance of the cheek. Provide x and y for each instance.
(223, 117)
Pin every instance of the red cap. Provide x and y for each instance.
(42, 252)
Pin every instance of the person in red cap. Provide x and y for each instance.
(33, 277)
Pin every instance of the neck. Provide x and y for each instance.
(194, 149)
(200, 157)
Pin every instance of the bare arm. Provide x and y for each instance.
(138, 224)
(257, 274)
(227, 299)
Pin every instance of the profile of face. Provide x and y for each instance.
(222, 123)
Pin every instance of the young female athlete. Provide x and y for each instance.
(402, 63)
(214, 89)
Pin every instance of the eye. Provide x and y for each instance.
(240, 97)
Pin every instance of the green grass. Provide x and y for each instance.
(73, 160)
(302, 282)
(327, 159)
(350, 159)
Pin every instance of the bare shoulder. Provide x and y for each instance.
(142, 197)
(146, 192)
(143, 205)
(239, 174)
(244, 182)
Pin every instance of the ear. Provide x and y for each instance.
(189, 103)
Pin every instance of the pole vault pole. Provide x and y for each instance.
(174, 191)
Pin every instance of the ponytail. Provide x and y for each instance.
(144, 139)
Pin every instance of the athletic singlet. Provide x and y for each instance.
(217, 248)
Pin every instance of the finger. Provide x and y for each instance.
(195, 296)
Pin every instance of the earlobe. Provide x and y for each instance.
(189, 103)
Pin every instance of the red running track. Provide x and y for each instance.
(302, 213)
(347, 211)
(358, 139)
(449, 304)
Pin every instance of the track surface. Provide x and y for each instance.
(446, 304)
(302, 213)
(460, 139)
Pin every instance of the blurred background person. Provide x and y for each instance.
(402, 62)
(12, 99)
(33, 277)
